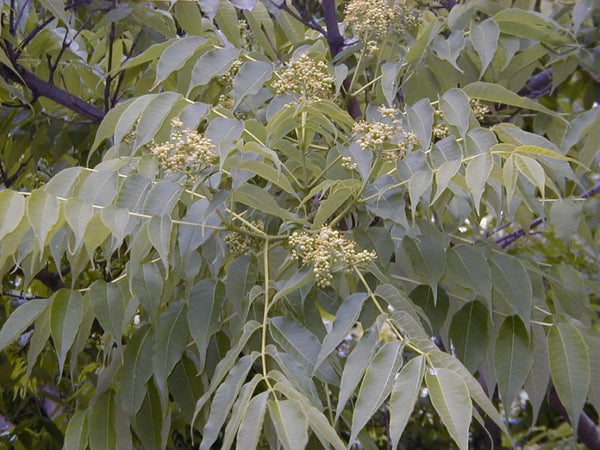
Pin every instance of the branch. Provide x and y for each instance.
(538, 85)
(505, 241)
(41, 88)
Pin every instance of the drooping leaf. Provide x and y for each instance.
(376, 385)
(450, 398)
(513, 356)
(484, 37)
(66, 315)
(12, 210)
(469, 332)
(20, 319)
(251, 425)
(176, 55)
(345, 318)
(290, 422)
(136, 370)
(405, 392)
(569, 367)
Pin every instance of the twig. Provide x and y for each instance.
(505, 241)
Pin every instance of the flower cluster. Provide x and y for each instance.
(389, 140)
(479, 109)
(327, 250)
(186, 151)
(348, 163)
(241, 243)
(440, 128)
(306, 77)
(226, 100)
(370, 20)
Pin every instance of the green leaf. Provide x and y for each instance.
(66, 314)
(153, 117)
(57, 8)
(76, 435)
(469, 268)
(457, 111)
(533, 171)
(512, 283)
(336, 198)
(300, 343)
(162, 198)
(290, 422)
(100, 188)
(420, 120)
(136, 371)
(405, 392)
(238, 412)
(469, 332)
(510, 175)
(513, 356)
(537, 381)
(151, 424)
(345, 318)
(251, 425)
(444, 360)
(204, 304)
(224, 132)
(102, 433)
(20, 320)
(262, 201)
(109, 306)
(169, 343)
(317, 420)
(498, 94)
(223, 400)
(176, 55)
(159, 233)
(78, 214)
(389, 80)
(249, 79)
(484, 37)
(435, 311)
(12, 210)
(569, 367)
(376, 385)
(530, 25)
(450, 398)
(355, 366)
(541, 151)
(428, 258)
(476, 174)
(449, 49)
(43, 211)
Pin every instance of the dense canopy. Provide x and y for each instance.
(299, 224)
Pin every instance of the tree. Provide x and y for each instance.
(272, 224)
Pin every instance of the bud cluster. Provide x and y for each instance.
(241, 243)
(440, 128)
(186, 151)
(370, 20)
(306, 77)
(326, 251)
(389, 140)
(479, 109)
(348, 163)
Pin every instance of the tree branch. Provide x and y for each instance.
(41, 88)
(505, 241)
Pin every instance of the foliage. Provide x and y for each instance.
(276, 226)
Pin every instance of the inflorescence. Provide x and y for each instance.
(327, 250)
(306, 77)
(241, 243)
(389, 140)
(187, 151)
(371, 20)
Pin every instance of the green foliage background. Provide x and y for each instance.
(153, 308)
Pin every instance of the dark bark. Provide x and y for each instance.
(505, 241)
(41, 88)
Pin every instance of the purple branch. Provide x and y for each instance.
(505, 241)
